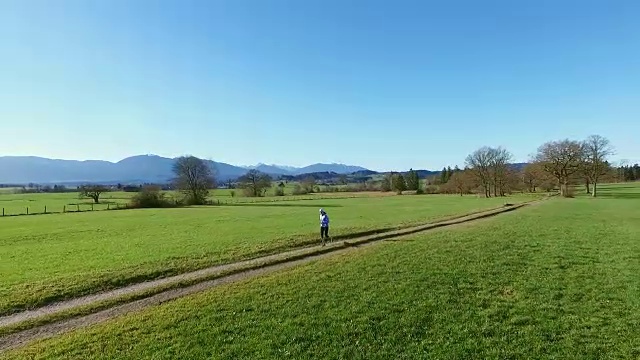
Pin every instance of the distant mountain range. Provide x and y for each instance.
(135, 169)
(315, 168)
(156, 169)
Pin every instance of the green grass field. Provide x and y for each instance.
(37, 203)
(17, 204)
(46, 258)
(555, 280)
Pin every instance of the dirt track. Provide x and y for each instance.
(223, 274)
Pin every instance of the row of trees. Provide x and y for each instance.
(399, 183)
(490, 166)
(558, 163)
(567, 159)
(629, 173)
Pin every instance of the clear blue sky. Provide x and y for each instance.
(382, 84)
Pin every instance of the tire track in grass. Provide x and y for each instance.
(197, 281)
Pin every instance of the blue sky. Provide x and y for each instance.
(382, 84)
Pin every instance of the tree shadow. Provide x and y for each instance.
(617, 187)
(273, 204)
(615, 195)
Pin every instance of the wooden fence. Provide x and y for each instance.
(69, 208)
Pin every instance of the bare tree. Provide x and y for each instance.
(499, 168)
(561, 159)
(512, 181)
(583, 176)
(308, 184)
(480, 164)
(92, 191)
(343, 180)
(597, 149)
(461, 182)
(194, 178)
(255, 183)
(533, 176)
(490, 166)
(387, 182)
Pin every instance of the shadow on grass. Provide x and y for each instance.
(615, 195)
(617, 187)
(274, 204)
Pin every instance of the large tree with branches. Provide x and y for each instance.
(254, 183)
(596, 151)
(562, 159)
(193, 178)
(92, 191)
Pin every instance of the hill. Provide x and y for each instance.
(135, 169)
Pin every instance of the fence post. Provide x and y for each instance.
(45, 209)
(78, 207)
(27, 210)
(3, 212)
(91, 206)
(108, 206)
(64, 209)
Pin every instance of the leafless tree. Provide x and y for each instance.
(480, 164)
(194, 178)
(343, 180)
(387, 182)
(499, 167)
(308, 184)
(533, 176)
(255, 183)
(490, 166)
(596, 150)
(461, 182)
(92, 192)
(562, 159)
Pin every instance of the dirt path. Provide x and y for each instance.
(223, 274)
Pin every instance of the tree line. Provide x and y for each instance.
(628, 172)
(560, 164)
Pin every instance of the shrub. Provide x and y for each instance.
(431, 189)
(420, 191)
(151, 197)
(233, 193)
(279, 191)
(299, 190)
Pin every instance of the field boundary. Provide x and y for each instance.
(65, 316)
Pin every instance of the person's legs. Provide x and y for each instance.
(324, 233)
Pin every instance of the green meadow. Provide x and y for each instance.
(557, 279)
(57, 256)
(12, 204)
